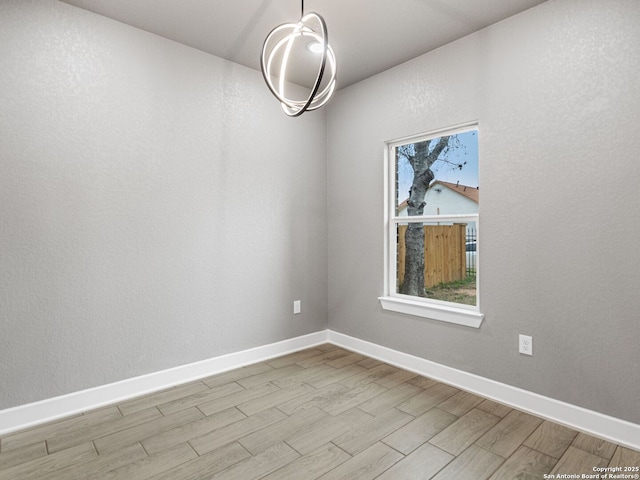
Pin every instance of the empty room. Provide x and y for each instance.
(356, 239)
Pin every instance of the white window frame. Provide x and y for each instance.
(467, 315)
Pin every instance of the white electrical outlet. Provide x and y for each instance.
(525, 345)
(296, 307)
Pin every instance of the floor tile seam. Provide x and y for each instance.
(203, 414)
(115, 452)
(379, 440)
(285, 413)
(357, 407)
(505, 433)
(446, 465)
(479, 437)
(83, 464)
(359, 385)
(544, 453)
(130, 427)
(622, 447)
(280, 404)
(350, 376)
(340, 381)
(428, 440)
(332, 382)
(44, 461)
(479, 407)
(95, 448)
(235, 439)
(436, 473)
(239, 405)
(591, 435)
(309, 385)
(198, 405)
(24, 461)
(235, 407)
(426, 390)
(555, 460)
(149, 459)
(488, 449)
(504, 460)
(47, 435)
(208, 432)
(240, 444)
(302, 455)
(239, 460)
(594, 454)
(319, 421)
(259, 385)
(102, 426)
(340, 412)
(458, 417)
(397, 407)
(461, 451)
(188, 442)
(404, 455)
(163, 391)
(637, 452)
(349, 458)
(139, 442)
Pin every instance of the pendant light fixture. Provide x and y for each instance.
(308, 35)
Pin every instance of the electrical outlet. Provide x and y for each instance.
(296, 307)
(525, 345)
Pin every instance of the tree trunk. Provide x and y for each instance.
(414, 264)
(414, 237)
(420, 162)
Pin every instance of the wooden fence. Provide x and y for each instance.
(444, 253)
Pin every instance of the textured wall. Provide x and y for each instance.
(555, 91)
(156, 206)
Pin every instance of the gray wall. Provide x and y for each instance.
(156, 206)
(555, 91)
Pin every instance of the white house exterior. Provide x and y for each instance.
(444, 198)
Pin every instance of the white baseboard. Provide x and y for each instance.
(588, 421)
(610, 428)
(55, 408)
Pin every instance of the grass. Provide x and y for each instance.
(460, 291)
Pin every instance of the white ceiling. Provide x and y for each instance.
(368, 36)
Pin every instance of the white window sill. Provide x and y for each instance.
(443, 313)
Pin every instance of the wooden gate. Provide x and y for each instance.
(444, 253)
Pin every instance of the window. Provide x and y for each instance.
(432, 221)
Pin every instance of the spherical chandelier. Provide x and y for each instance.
(309, 32)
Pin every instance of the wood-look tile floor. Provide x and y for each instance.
(322, 413)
